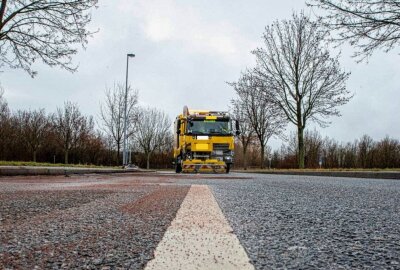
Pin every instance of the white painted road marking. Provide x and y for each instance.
(199, 237)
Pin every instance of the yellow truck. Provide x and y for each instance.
(204, 141)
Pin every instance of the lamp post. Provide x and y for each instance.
(124, 154)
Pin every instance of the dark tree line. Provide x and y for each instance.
(361, 153)
(67, 136)
(364, 152)
(250, 158)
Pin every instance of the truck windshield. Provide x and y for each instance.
(209, 127)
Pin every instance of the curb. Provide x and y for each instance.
(27, 171)
(374, 175)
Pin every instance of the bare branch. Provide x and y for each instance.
(43, 29)
(367, 25)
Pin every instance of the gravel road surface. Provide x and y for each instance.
(96, 223)
(300, 222)
(117, 221)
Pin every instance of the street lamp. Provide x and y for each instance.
(124, 154)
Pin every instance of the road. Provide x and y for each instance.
(163, 220)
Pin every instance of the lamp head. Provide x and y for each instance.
(131, 55)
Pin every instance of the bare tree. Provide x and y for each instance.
(313, 146)
(112, 114)
(167, 144)
(367, 25)
(70, 127)
(153, 131)
(246, 135)
(34, 126)
(42, 29)
(4, 111)
(301, 77)
(264, 117)
(4, 124)
(388, 152)
(365, 146)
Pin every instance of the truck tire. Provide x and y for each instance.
(178, 166)
(228, 167)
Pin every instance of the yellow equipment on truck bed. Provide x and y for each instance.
(203, 141)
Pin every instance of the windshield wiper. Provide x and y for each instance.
(221, 132)
(198, 133)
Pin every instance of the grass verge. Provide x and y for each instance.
(44, 164)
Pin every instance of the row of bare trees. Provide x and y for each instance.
(320, 152)
(29, 134)
(296, 72)
(329, 153)
(295, 80)
(68, 136)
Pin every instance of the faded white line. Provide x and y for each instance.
(199, 237)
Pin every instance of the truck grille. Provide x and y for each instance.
(221, 146)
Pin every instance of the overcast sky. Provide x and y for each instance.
(186, 51)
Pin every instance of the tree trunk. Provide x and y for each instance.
(300, 137)
(244, 158)
(66, 157)
(262, 156)
(118, 151)
(148, 161)
(300, 130)
(34, 155)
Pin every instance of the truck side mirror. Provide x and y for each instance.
(178, 127)
(237, 127)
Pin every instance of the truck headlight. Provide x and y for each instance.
(228, 158)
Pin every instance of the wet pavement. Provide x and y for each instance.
(117, 221)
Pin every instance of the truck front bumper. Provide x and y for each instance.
(206, 166)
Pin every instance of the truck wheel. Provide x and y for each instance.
(228, 167)
(178, 166)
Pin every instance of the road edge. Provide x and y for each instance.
(31, 170)
(349, 174)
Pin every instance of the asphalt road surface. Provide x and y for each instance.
(168, 221)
